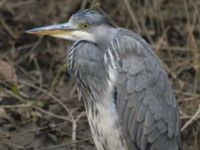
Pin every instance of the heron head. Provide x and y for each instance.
(89, 25)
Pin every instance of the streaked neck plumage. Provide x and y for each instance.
(96, 82)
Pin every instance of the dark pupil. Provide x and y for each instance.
(85, 25)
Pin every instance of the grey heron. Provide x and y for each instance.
(128, 99)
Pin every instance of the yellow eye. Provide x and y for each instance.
(84, 26)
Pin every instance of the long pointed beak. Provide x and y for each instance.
(67, 31)
(53, 30)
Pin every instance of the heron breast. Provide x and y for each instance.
(103, 120)
(106, 132)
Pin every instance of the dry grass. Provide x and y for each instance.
(39, 104)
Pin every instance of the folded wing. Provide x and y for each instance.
(144, 99)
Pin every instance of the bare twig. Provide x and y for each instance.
(64, 144)
(50, 95)
(194, 117)
(16, 106)
(74, 126)
(52, 114)
(8, 29)
(131, 13)
(2, 3)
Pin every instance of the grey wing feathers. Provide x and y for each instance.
(145, 102)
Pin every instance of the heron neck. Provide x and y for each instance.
(105, 35)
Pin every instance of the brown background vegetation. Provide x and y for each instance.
(39, 107)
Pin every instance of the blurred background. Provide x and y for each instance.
(39, 105)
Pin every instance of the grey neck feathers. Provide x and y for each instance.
(104, 36)
(87, 66)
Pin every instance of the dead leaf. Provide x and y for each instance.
(7, 72)
(3, 114)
